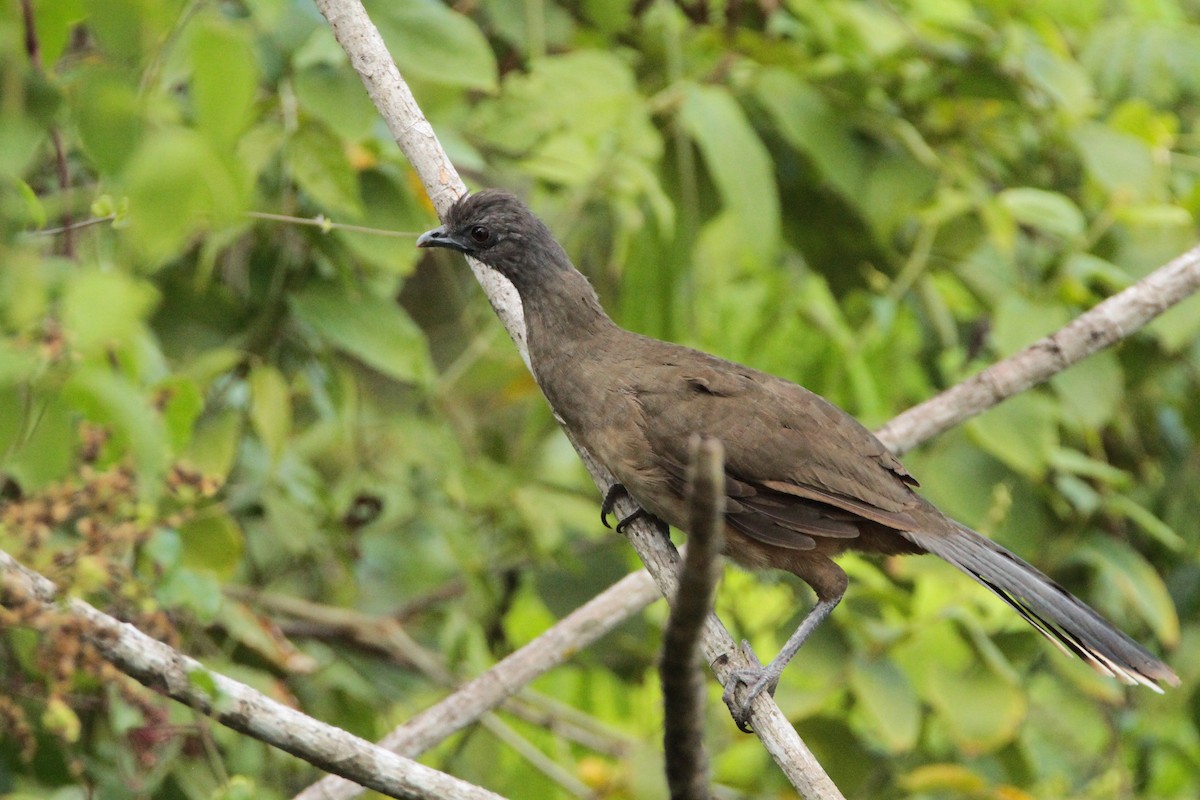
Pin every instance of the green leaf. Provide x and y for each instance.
(224, 77)
(93, 325)
(1122, 505)
(109, 116)
(212, 540)
(183, 404)
(740, 167)
(1091, 390)
(1018, 323)
(270, 408)
(809, 124)
(317, 160)
(420, 35)
(887, 703)
(372, 329)
(981, 710)
(1022, 432)
(1122, 165)
(214, 445)
(1049, 212)
(37, 437)
(196, 591)
(179, 185)
(1130, 577)
(337, 98)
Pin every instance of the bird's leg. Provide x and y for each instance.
(615, 492)
(756, 680)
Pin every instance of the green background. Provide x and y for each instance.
(205, 416)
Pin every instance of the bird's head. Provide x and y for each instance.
(494, 227)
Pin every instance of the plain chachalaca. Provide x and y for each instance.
(804, 480)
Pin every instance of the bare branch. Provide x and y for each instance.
(1105, 324)
(473, 699)
(233, 704)
(682, 680)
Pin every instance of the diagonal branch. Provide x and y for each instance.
(165, 670)
(1106, 323)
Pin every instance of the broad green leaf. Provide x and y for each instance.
(981, 710)
(179, 185)
(1022, 432)
(740, 167)
(1121, 164)
(421, 33)
(270, 408)
(370, 328)
(103, 310)
(1018, 323)
(1091, 390)
(809, 124)
(37, 437)
(197, 591)
(337, 98)
(887, 703)
(35, 210)
(214, 444)
(25, 289)
(110, 117)
(212, 540)
(1132, 579)
(1062, 78)
(1049, 212)
(387, 205)
(224, 78)
(317, 160)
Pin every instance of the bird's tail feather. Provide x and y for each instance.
(1052, 610)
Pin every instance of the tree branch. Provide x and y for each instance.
(1108, 322)
(682, 681)
(233, 704)
(476, 697)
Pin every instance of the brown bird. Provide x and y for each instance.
(804, 481)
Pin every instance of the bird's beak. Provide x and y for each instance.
(440, 237)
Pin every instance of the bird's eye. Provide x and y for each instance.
(480, 234)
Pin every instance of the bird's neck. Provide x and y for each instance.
(561, 312)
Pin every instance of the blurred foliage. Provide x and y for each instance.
(207, 417)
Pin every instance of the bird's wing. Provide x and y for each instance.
(797, 467)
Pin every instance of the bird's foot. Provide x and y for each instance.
(743, 685)
(615, 492)
(610, 499)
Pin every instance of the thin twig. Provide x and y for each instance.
(682, 680)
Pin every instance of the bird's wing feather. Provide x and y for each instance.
(796, 466)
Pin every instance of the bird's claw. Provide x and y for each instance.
(610, 500)
(744, 684)
(615, 492)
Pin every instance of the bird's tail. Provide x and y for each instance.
(1060, 616)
